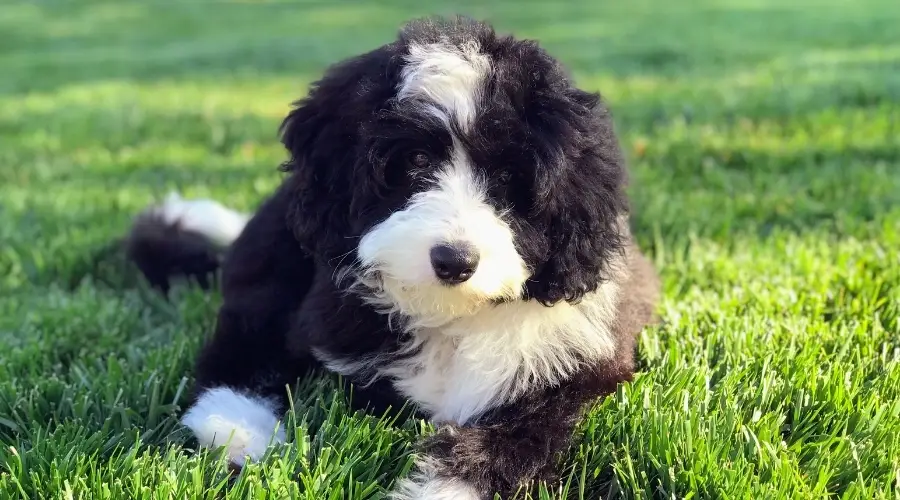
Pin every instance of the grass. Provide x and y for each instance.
(764, 139)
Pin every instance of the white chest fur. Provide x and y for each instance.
(460, 370)
(483, 361)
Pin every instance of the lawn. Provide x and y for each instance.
(764, 142)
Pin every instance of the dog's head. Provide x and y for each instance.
(455, 168)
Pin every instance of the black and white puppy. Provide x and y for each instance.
(452, 231)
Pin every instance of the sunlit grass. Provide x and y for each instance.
(764, 140)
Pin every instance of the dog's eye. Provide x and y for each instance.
(419, 159)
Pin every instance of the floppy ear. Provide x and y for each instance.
(322, 136)
(585, 206)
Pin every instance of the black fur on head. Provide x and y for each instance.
(545, 150)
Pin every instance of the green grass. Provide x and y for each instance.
(764, 138)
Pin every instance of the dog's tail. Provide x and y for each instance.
(182, 238)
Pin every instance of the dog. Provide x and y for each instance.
(452, 230)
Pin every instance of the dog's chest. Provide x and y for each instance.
(441, 380)
(443, 375)
(461, 370)
(471, 365)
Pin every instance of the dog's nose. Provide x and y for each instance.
(454, 263)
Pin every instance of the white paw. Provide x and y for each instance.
(245, 425)
(424, 484)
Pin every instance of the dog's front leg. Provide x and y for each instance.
(244, 371)
(507, 448)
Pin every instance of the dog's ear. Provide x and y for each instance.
(584, 205)
(322, 136)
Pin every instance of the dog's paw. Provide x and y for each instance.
(426, 483)
(244, 425)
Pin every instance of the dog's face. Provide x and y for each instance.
(453, 169)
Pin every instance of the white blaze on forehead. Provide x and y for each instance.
(448, 78)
